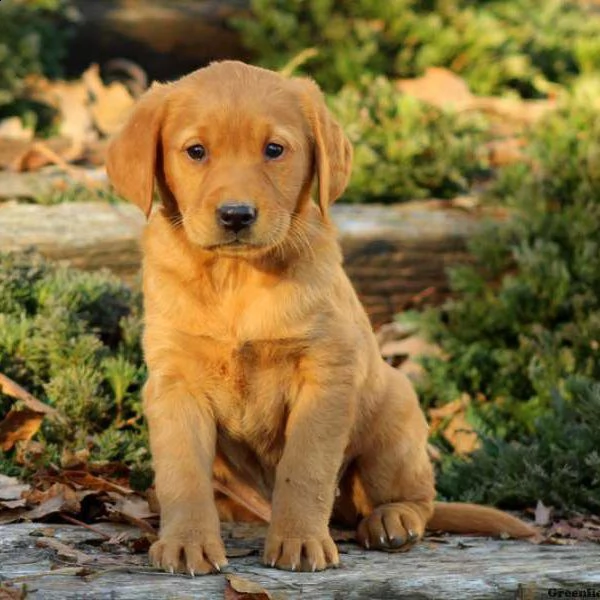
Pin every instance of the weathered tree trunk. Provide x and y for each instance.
(393, 254)
(167, 39)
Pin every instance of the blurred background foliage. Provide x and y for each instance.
(521, 330)
(524, 47)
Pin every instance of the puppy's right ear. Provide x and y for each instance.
(132, 153)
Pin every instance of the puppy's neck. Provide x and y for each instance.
(237, 299)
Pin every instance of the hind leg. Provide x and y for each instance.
(395, 483)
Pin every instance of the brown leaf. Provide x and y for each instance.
(565, 529)
(244, 495)
(239, 588)
(11, 388)
(132, 510)
(74, 460)
(12, 516)
(12, 128)
(12, 504)
(71, 99)
(59, 498)
(451, 419)
(38, 154)
(438, 86)
(92, 482)
(9, 592)
(110, 104)
(542, 514)
(11, 488)
(19, 426)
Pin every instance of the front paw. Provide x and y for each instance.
(300, 552)
(394, 527)
(189, 550)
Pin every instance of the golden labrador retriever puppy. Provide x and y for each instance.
(259, 352)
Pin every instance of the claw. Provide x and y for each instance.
(382, 540)
(273, 562)
(293, 567)
(171, 570)
(314, 567)
(367, 545)
(192, 573)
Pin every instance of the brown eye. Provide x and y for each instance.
(273, 150)
(196, 152)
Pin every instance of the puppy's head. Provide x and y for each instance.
(234, 150)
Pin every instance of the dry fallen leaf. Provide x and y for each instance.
(239, 588)
(110, 103)
(58, 498)
(9, 592)
(11, 488)
(242, 494)
(133, 510)
(438, 86)
(71, 100)
(13, 129)
(451, 419)
(19, 426)
(11, 388)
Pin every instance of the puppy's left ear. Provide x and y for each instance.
(132, 154)
(333, 151)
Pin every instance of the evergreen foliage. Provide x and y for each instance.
(522, 333)
(559, 464)
(406, 149)
(522, 46)
(73, 340)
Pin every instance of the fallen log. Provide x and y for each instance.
(443, 568)
(167, 39)
(396, 256)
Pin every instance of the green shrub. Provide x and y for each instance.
(73, 339)
(406, 149)
(522, 332)
(527, 314)
(497, 45)
(559, 465)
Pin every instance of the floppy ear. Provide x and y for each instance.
(333, 151)
(131, 155)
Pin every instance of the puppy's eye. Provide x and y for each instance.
(196, 152)
(273, 150)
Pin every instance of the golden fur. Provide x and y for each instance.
(259, 352)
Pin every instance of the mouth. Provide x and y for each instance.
(234, 245)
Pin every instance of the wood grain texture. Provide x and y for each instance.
(392, 253)
(473, 568)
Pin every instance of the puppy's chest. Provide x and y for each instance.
(254, 384)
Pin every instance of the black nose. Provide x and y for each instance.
(234, 216)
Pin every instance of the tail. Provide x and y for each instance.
(456, 517)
